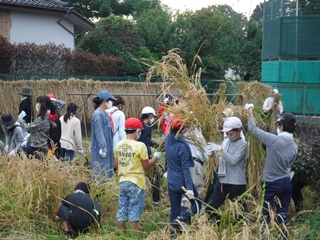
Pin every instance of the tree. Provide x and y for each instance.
(257, 14)
(155, 27)
(105, 8)
(119, 37)
(217, 32)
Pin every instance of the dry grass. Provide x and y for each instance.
(10, 99)
(30, 190)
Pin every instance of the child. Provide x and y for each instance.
(131, 160)
(78, 210)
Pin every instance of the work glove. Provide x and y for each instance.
(80, 151)
(102, 153)
(12, 153)
(248, 105)
(22, 115)
(158, 155)
(189, 194)
(212, 147)
(6, 148)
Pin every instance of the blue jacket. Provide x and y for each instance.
(179, 161)
(102, 138)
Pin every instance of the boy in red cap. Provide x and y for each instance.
(179, 160)
(131, 160)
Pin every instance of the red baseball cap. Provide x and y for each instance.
(133, 123)
(51, 95)
(177, 122)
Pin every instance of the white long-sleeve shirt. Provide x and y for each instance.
(71, 136)
(268, 103)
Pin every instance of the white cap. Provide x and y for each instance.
(231, 123)
(276, 91)
(148, 110)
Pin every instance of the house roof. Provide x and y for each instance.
(81, 23)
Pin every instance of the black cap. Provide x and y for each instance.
(287, 119)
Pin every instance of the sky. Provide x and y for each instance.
(244, 6)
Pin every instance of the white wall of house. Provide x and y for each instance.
(40, 29)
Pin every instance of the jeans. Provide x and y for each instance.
(66, 154)
(282, 189)
(39, 153)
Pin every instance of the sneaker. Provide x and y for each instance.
(156, 203)
(181, 223)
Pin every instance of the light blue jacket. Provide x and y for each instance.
(102, 138)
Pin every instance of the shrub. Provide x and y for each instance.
(6, 49)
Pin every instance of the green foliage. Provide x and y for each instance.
(307, 165)
(155, 27)
(105, 8)
(119, 37)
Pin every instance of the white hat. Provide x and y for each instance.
(148, 110)
(276, 91)
(231, 123)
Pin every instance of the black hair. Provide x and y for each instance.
(130, 131)
(83, 187)
(71, 110)
(145, 116)
(45, 104)
(97, 102)
(288, 127)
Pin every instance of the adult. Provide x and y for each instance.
(71, 137)
(102, 137)
(39, 129)
(148, 115)
(281, 152)
(14, 134)
(271, 104)
(79, 211)
(118, 119)
(179, 160)
(26, 103)
(131, 159)
(232, 156)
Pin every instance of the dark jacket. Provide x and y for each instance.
(26, 105)
(84, 212)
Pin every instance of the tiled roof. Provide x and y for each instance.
(53, 4)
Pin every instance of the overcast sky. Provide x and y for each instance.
(244, 6)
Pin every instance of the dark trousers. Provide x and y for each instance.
(39, 153)
(297, 184)
(283, 190)
(220, 193)
(175, 195)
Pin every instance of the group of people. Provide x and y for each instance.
(123, 146)
(46, 134)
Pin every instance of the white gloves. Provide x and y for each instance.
(12, 153)
(102, 153)
(6, 148)
(22, 115)
(212, 147)
(80, 151)
(158, 155)
(248, 105)
(189, 194)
